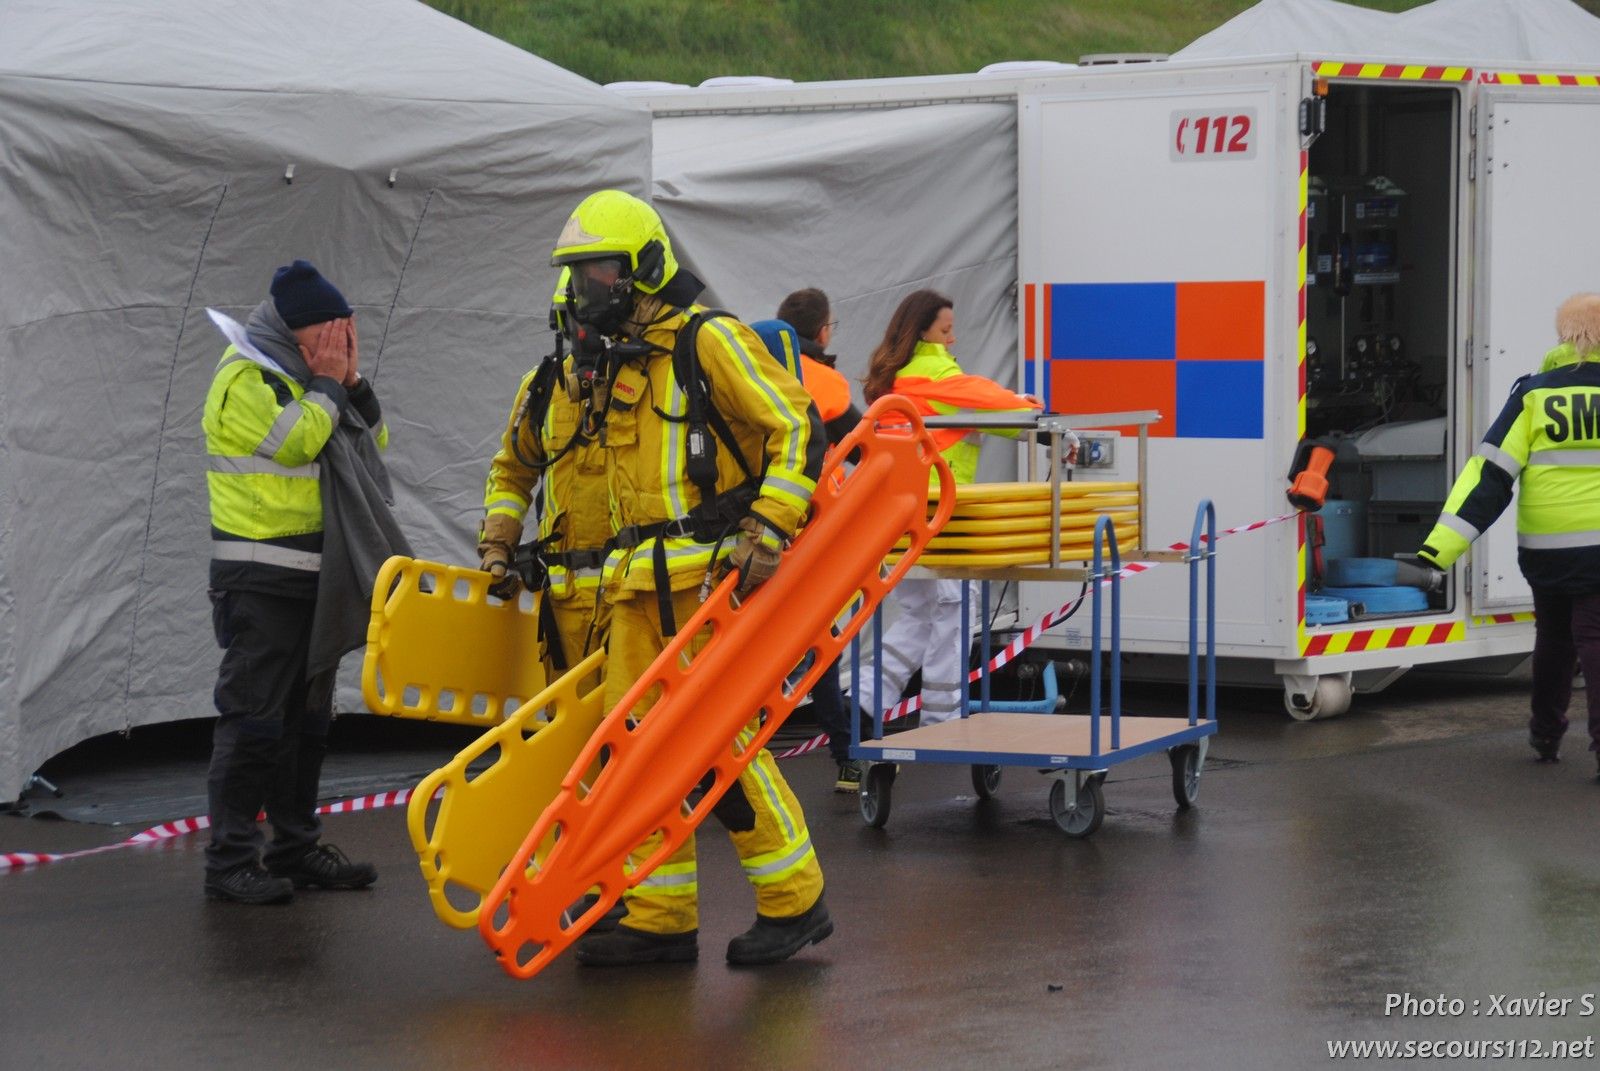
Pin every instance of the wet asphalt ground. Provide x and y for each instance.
(1409, 847)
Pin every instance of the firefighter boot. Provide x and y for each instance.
(605, 923)
(773, 940)
(626, 947)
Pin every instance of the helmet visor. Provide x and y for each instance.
(594, 282)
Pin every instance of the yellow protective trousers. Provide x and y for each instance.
(581, 626)
(761, 814)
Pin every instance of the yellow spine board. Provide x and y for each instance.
(482, 818)
(1071, 550)
(1077, 505)
(1127, 525)
(439, 650)
(1033, 492)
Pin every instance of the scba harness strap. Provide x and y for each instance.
(718, 514)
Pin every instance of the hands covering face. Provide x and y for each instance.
(330, 350)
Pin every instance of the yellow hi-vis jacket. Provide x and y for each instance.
(574, 509)
(264, 433)
(936, 384)
(773, 421)
(1548, 437)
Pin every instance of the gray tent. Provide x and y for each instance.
(868, 203)
(156, 159)
(1461, 31)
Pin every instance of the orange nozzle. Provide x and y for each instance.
(1308, 487)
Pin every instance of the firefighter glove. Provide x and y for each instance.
(504, 583)
(754, 555)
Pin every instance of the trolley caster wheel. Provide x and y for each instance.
(877, 792)
(1315, 698)
(985, 780)
(1083, 815)
(1185, 775)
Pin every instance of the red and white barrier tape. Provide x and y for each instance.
(1026, 638)
(12, 861)
(183, 826)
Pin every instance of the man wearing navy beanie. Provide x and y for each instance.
(303, 297)
(299, 511)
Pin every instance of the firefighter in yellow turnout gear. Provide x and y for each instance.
(547, 449)
(712, 455)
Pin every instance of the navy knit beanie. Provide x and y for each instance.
(303, 297)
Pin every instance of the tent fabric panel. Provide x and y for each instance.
(867, 205)
(368, 48)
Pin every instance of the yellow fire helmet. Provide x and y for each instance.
(560, 301)
(611, 223)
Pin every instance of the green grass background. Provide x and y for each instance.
(809, 40)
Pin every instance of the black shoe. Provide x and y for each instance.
(1548, 747)
(326, 867)
(773, 940)
(249, 884)
(627, 947)
(849, 779)
(605, 923)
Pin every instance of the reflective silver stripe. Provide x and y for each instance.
(507, 502)
(1501, 459)
(323, 402)
(258, 466)
(278, 434)
(1459, 526)
(778, 483)
(778, 865)
(228, 550)
(1558, 540)
(661, 881)
(1565, 457)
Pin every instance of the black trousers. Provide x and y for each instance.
(828, 707)
(1566, 629)
(272, 735)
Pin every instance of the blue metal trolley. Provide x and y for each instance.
(1076, 750)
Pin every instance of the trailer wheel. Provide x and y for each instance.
(1316, 698)
(985, 780)
(1185, 775)
(877, 794)
(1087, 810)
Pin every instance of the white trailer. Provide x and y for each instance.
(1266, 250)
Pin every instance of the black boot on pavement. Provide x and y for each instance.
(605, 923)
(249, 884)
(326, 867)
(773, 940)
(849, 779)
(627, 947)
(1548, 747)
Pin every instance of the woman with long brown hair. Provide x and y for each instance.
(914, 360)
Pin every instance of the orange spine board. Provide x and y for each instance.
(651, 769)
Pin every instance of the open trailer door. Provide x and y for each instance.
(1538, 155)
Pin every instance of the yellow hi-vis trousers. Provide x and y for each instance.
(761, 814)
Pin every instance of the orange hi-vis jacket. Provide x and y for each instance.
(937, 386)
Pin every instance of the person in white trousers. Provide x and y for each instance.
(914, 361)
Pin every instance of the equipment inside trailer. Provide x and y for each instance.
(1382, 231)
